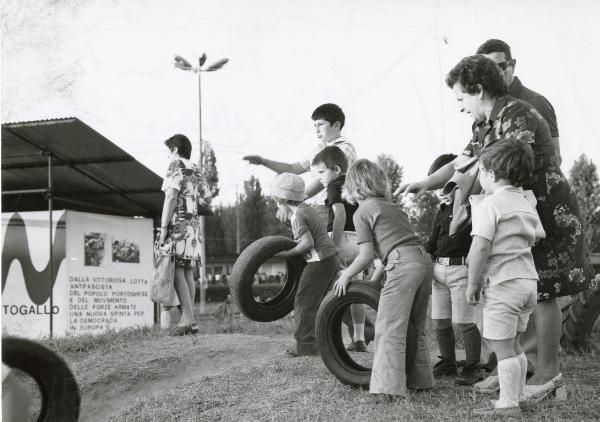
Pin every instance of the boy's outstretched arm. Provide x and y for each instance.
(277, 166)
(434, 181)
(304, 245)
(478, 257)
(365, 257)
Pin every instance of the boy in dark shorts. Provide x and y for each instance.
(330, 166)
(448, 297)
(317, 248)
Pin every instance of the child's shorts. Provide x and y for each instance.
(449, 294)
(506, 308)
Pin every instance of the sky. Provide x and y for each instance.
(110, 63)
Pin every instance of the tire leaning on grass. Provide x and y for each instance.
(58, 388)
(579, 316)
(329, 332)
(242, 278)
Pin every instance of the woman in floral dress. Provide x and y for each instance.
(561, 259)
(184, 186)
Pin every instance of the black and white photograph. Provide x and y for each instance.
(126, 251)
(344, 210)
(94, 247)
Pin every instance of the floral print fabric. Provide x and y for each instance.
(561, 259)
(184, 227)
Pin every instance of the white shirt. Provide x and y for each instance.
(509, 220)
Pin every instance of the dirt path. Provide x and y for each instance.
(150, 368)
(114, 380)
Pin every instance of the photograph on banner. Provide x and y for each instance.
(94, 247)
(126, 251)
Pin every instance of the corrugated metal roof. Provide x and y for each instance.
(89, 172)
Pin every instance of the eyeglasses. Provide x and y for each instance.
(503, 65)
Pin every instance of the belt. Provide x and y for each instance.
(451, 260)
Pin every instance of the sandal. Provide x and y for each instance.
(555, 388)
(182, 330)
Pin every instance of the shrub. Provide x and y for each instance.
(219, 292)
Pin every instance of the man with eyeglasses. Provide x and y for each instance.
(542, 358)
(499, 51)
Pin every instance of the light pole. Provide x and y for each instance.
(183, 64)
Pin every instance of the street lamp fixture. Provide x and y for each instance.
(183, 64)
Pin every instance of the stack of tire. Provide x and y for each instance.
(332, 313)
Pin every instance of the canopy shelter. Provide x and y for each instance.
(76, 167)
(64, 163)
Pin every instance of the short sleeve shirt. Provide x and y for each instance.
(342, 143)
(384, 223)
(509, 220)
(191, 186)
(305, 219)
(334, 196)
(195, 180)
(538, 101)
(440, 243)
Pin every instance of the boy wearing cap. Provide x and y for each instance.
(319, 251)
(448, 294)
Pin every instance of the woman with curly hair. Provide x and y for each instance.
(561, 259)
(184, 186)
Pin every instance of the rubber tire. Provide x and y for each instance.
(60, 394)
(579, 316)
(329, 332)
(242, 278)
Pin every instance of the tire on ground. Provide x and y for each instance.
(58, 388)
(579, 315)
(329, 332)
(247, 265)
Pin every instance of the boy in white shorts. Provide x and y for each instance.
(500, 264)
(448, 294)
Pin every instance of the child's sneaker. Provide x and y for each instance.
(470, 375)
(444, 367)
(357, 346)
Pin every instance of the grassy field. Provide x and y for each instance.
(286, 390)
(235, 369)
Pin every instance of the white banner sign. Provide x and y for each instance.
(102, 266)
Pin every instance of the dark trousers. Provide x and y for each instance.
(313, 285)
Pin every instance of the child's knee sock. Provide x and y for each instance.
(523, 362)
(359, 332)
(165, 318)
(445, 339)
(509, 375)
(472, 342)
